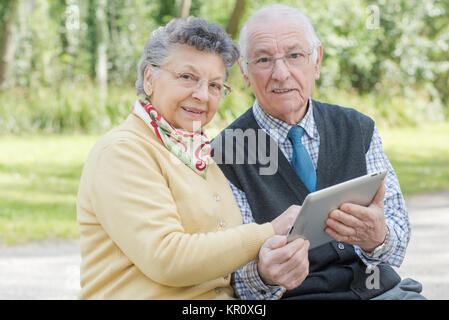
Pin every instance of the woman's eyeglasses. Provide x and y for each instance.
(191, 81)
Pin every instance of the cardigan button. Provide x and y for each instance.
(222, 223)
(217, 290)
(216, 197)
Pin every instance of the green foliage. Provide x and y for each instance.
(82, 108)
(70, 108)
(415, 109)
(4, 10)
(389, 59)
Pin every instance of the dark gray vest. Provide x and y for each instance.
(335, 272)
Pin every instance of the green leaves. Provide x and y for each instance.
(390, 56)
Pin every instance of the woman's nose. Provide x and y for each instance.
(201, 91)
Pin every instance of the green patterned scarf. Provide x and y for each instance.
(193, 149)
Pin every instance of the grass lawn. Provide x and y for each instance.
(38, 184)
(420, 157)
(39, 177)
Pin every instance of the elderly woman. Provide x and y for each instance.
(156, 216)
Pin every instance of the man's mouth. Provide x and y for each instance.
(280, 91)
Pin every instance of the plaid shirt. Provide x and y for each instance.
(246, 281)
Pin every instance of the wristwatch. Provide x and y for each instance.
(380, 247)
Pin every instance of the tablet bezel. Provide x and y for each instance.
(311, 220)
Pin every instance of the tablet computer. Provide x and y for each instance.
(311, 220)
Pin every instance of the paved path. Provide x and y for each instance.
(427, 257)
(50, 270)
(40, 270)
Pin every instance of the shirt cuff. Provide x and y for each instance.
(260, 289)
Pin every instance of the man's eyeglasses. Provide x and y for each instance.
(292, 60)
(191, 81)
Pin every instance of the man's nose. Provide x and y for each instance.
(201, 91)
(280, 70)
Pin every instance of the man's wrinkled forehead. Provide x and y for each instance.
(274, 32)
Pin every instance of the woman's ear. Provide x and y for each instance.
(245, 77)
(147, 81)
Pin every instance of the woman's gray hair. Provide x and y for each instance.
(282, 12)
(195, 32)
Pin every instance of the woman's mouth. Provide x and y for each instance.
(193, 110)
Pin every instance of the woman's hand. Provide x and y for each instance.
(282, 263)
(284, 221)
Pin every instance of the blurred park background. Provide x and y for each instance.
(68, 67)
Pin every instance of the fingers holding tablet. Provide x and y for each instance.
(284, 221)
(364, 226)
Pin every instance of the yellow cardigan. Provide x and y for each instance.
(151, 228)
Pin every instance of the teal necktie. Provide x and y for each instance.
(301, 161)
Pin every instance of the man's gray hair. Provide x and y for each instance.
(195, 32)
(282, 12)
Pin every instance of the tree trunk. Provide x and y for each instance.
(91, 40)
(101, 67)
(7, 46)
(237, 13)
(184, 9)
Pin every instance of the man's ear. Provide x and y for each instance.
(247, 82)
(147, 81)
(319, 58)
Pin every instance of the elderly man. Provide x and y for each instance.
(280, 60)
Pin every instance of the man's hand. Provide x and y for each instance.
(282, 263)
(284, 221)
(357, 225)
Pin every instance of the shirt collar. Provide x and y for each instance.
(279, 129)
